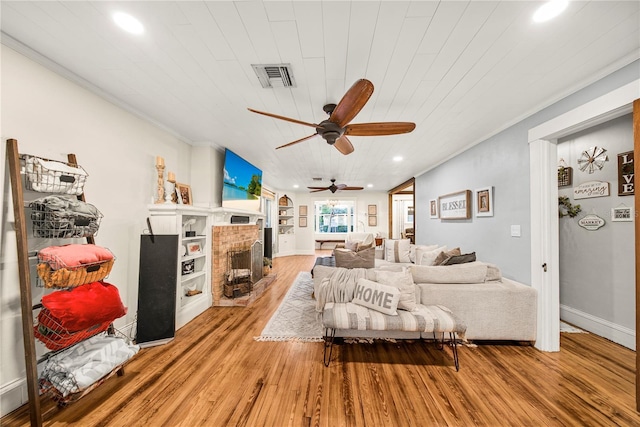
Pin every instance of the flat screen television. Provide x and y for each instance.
(242, 183)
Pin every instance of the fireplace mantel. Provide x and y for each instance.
(222, 216)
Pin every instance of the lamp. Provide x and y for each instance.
(189, 223)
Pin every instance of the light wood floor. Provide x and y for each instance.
(215, 374)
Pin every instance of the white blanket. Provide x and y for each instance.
(339, 286)
(76, 368)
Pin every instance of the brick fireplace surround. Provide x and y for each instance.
(227, 238)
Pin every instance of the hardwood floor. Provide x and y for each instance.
(215, 374)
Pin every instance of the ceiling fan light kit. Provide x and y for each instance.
(335, 129)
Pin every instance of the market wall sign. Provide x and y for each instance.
(591, 222)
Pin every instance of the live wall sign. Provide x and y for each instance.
(625, 174)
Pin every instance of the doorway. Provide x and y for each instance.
(402, 212)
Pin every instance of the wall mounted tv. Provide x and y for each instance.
(242, 183)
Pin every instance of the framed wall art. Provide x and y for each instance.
(484, 201)
(373, 221)
(433, 208)
(302, 221)
(184, 194)
(372, 210)
(194, 248)
(455, 205)
(303, 210)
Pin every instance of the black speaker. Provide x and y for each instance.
(268, 242)
(239, 219)
(157, 289)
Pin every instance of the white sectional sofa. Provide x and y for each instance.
(493, 308)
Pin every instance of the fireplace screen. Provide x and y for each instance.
(244, 269)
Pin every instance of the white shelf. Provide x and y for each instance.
(171, 219)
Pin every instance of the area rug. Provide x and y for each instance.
(570, 329)
(296, 318)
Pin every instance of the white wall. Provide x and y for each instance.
(597, 268)
(51, 117)
(501, 161)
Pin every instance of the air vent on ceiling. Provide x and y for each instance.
(316, 179)
(275, 75)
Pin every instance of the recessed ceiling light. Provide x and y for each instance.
(295, 186)
(550, 10)
(369, 185)
(397, 159)
(128, 23)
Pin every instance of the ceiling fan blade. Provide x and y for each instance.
(286, 119)
(352, 188)
(296, 141)
(343, 145)
(378, 129)
(352, 102)
(318, 188)
(315, 191)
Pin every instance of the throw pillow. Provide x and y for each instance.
(376, 296)
(352, 245)
(363, 246)
(397, 250)
(350, 259)
(460, 259)
(427, 257)
(443, 256)
(413, 249)
(404, 282)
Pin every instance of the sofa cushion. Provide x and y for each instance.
(444, 255)
(428, 256)
(460, 273)
(403, 280)
(460, 259)
(397, 250)
(424, 319)
(350, 259)
(376, 296)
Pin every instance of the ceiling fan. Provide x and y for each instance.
(333, 187)
(337, 127)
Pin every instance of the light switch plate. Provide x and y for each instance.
(515, 231)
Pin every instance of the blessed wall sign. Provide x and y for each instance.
(455, 205)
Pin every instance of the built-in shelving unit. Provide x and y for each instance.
(286, 236)
(193, 227)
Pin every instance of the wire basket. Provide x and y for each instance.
(52, 176)
(69, 277)
(55, 336)
(70, 374)
(59, 217)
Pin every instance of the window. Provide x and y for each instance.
(334, 216)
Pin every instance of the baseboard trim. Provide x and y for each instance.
(611, 331)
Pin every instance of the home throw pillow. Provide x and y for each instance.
(352, 245)
(460, 259)
(443, 256)
(402, 280)
(350, 259)
(427, 257)
(397, 250)
(376, 296)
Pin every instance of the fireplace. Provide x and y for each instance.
(236, 238)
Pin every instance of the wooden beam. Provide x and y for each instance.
(636, 171)
(26, 300)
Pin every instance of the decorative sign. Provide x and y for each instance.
(455, 205)
(433, 208)
(625, 174)
(591, 189)
(622, 214)
(565, 176)
(591, 222)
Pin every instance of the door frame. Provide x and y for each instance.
(402, 189)
(542, 141)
